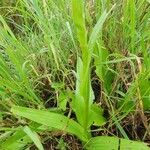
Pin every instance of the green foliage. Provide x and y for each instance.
(84, 94)
(17, 141)
(51, 119)
(34, 137)
(109, 143)
(65, 64)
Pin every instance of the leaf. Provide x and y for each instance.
(144, 87)
(97, 115)
(5, 135)
(51, 119)
(148, 1)
(78, 101)
(102, 71)
(6, 27)
(57, 86)
(97, 28)
(114, 143)
(62, 96)
(100, 52)
(84, 94)
(133, 145)
(78, 16)
(62, 100)
(17, 141)
(83, 99)
(34, 137)
(101, 55)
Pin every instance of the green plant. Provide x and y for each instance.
(34, 61)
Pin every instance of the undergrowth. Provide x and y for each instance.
(74, 74)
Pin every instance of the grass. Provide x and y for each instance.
(74, 74)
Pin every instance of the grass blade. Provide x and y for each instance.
(34, 137)
(97, 28)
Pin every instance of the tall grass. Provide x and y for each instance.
(53, 54)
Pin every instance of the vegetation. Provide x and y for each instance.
(74, 74)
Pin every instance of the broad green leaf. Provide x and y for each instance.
(51, 119)
(114, 143)
(133, 145)
(84, 94)
(102, 143)
(78, 15)
(78, 103)
(83, 87)
(34, 137)
(96, 114)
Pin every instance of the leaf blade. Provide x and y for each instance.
(34, 137)
(51, 119)
(109, 143)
